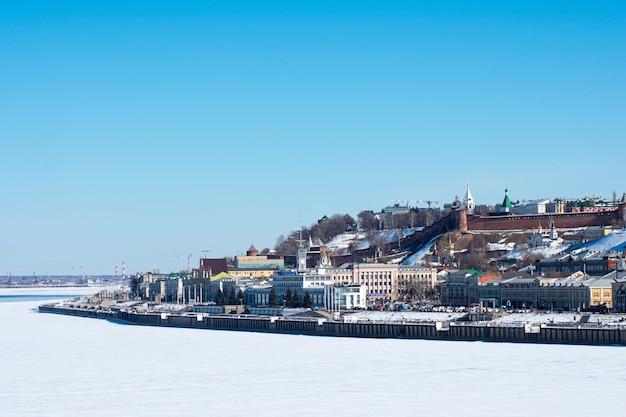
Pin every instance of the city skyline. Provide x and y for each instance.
(146, 133)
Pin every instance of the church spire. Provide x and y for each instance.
(506, 204)
(468, 201)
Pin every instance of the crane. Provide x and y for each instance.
(429, 202)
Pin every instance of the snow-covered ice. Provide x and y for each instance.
(54, 365)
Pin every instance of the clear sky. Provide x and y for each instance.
(149, 131)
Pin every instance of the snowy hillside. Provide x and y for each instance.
(615, 241)
(416, 258)
(343, 240)
(543, 251)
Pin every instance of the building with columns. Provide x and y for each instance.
(386, 282)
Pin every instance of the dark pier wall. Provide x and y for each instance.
(427, 331)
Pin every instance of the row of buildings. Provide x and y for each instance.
(574, 292)
(566, 282)
(256, 277)
(360, 285)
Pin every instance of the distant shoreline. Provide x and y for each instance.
(47, 286)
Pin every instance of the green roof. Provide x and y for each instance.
(506, 202)
(221, 275)
(474, 272)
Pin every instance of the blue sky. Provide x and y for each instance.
(146, 132)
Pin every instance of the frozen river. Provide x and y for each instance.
(54, 365)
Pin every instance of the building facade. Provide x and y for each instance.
(460, 289)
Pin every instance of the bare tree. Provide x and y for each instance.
(368, 221)
(286, 245)
(333, 226)
(380, 242)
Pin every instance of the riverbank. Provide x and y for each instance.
(348, 326)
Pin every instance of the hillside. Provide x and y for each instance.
(436, 242)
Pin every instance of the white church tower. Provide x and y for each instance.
(468, 201)
(301, 255)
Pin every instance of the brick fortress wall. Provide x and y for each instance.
(614, 218)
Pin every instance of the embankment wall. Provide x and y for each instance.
(430, 331)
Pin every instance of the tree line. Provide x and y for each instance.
(230, 298)
(367, 222)
(291, 299)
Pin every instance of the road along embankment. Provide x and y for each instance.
(453, 331)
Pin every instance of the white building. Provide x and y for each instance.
(549, 239)
(468, 201)
(345, 297)
(531, 207)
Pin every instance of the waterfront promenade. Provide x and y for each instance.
(455, 328)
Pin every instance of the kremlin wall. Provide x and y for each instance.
(460, 217)
(465, 222)
(506, 219)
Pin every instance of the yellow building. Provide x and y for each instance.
(251, 272)
(597, 232)
(601, 292)
(259, 262)
(252, 260)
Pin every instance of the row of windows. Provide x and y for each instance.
(377, 283)
(421, 276)
(565, 268)
(597, 294)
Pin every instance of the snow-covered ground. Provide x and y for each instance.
(165, 307)
(407, 316)
(615, 241)
(416, 258)
(560, 318)
(54, 365)
(500, 246)
(343, 240)
(389, 236)
(543, 251)
(513, 318)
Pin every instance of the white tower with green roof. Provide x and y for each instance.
(506, 203)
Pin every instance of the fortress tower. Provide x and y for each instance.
(252, 251)
(460, 215)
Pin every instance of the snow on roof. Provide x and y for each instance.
(601, 282)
